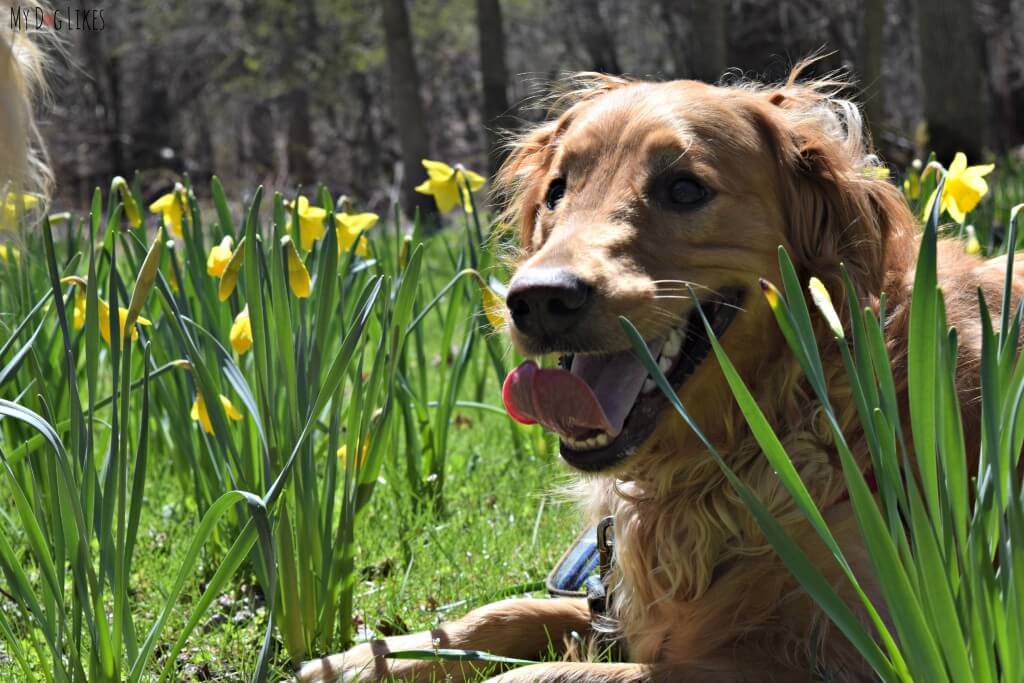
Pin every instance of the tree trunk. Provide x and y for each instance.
(302, 42)
(497, 116)
(407, 108)
(953, 78)
(872, 45)
(708, 56)
(597, 38)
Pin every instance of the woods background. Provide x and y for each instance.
(352, 93)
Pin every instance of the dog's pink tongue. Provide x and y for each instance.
(596, 395)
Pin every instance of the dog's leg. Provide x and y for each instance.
(568, 672)
(719, 671)
(523, 629)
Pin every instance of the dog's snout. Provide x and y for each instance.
(547, 301)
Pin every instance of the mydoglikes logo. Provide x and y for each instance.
(29, 18)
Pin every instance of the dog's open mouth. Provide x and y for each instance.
(604, 406)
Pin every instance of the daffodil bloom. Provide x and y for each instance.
(8, 254)
(241, 332)
(78, 320)
(171, 206)
(350, 227)
(964, 187)
(312, 223)
(822, 299)
(220, 255)
(200, 414)
(229, 278)
(449, 186)
(298, 276)
(973, 246)
(122, 314)
(16, 204)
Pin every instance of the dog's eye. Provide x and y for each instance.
(556, 190)
(688, 193)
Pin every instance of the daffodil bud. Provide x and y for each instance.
(973, 246)
(229, 278)
(493, 306)
(771, 294)
(822, 299)
(241, 332)
(298, 276)
(220, 255)
(131, 209)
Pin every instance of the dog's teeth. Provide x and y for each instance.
(672, 344)
(601, 439)
(665, 363)
(649, 385)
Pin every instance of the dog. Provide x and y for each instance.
(634, 192)
(23, 163)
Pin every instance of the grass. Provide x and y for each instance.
(503, 530)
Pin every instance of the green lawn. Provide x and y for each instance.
(505, 525)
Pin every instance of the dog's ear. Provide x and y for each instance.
(839, 203)
(518, 185)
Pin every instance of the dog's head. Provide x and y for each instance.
(640, 191)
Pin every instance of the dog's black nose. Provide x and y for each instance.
(547, 300)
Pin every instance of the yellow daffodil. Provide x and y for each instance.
(15, 205)
(822, 299)
(449, 185)
(973, 246)
(122, 314)
(220, 255)
(241, 332)
(8, 254)
(229, 277)
(350, 227)
(78, 320)
(312, 223)
(964, 187)
(200, 414)
(172, 207)
(131, 209)
(298, 276)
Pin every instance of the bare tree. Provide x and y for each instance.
(495, 79)
(407, 105)
(709, 45)
(951, 70)
(873, 28)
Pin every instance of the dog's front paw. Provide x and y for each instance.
(356, 665)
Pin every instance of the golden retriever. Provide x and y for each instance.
(23, 165)
(634, 191)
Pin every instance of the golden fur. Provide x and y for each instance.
(23, 166)
(698, 593)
